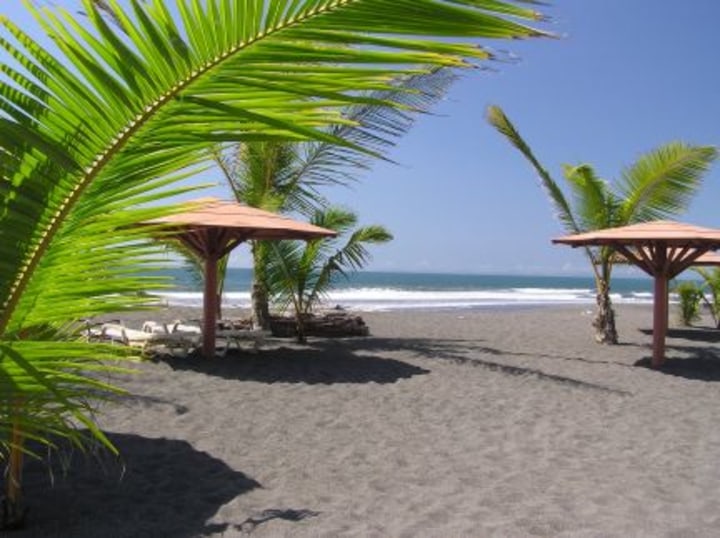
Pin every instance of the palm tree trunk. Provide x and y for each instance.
(13, 513)
(260, 299)
(604, 322)
(300, 328)
(222, 268)
(260, 306)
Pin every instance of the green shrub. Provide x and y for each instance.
(690, 294)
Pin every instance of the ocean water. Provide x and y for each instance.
(368, 291)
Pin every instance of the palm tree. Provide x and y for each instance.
(92, 132)
(710, 286)
(659, 185)
(287, 177)
(260, 175)
(300, 274)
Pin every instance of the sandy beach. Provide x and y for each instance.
(509, 423)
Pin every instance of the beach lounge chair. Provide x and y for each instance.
(234, 333)
(155, 327)
(151, 336)
(94, 331)
(229, 334)
(108, 332)
(177, 330)
(185, 327)
(236, 337)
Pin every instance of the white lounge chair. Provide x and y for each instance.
(149, 337)
(235, 337)
(183, 327)
(176, 330)
(155, 327)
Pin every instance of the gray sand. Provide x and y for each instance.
(508, 423)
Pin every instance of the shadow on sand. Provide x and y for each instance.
(322, 361)
(162, 487)
(698, 362)
(364, 360)
(466, 352)
(694, 334)
(701, 364)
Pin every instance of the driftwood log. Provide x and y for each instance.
(332, 324)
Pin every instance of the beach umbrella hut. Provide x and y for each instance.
(708, 259)
(662, 249)
(212, 228)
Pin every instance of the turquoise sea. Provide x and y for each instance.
(382, 291)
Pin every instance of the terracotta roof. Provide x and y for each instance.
(241, 220)
(669, 232)
(709, 258)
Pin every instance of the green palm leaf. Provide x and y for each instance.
(287, 272)
(218, 72)
(373, 127)
(563, 210)
(301, 275)
(592, 198)
(92, 138)
(661, 183)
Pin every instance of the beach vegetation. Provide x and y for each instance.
(659, 185)
(299, 274)
(690, 295)
(95, 127)
(710, 291)
(287, 177)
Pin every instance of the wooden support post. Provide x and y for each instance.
(210, 306)
(660, 319)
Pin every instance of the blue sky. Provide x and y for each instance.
(624, 77)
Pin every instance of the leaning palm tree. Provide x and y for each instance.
(288, 177)
(300, 274)
(92, 130)
(659, 185)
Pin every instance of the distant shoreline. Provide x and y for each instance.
(167, 314)
(369, 291)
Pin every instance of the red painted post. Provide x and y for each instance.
(660, 319)
(209, 306)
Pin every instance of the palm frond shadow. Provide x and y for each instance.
(143, 401)
(251, 523)
(458, 351)
(161, 487)
(325, 361)
(429, 348)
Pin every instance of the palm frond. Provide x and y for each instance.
(563, 210)
(286, 273)
(302, 275)
(661, 183)
(89, 136)
(163, 87)
(373, 128)
(49, 387)
(592, 198)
